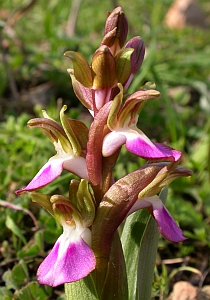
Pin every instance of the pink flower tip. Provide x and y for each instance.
(165, 222)
(70, 260)
(167, 225)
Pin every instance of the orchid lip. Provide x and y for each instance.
(138, 143)
(46, 174)
(71, 259)
(53, 168)
(165, 222)
(145, 148)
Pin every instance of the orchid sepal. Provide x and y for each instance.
(82, 70)
(63, 209)
(155, 186)
(83, 93)
(147, 198)
(109, 38)
(75, 145)
(149, 85)
(104, 69)
(167, 174)
(82, 199)
(43, 200)
(52, 130)
(66, 135)
(134, 104)
(177, 172)
(81, 132)
(115, 108)
(123, 64)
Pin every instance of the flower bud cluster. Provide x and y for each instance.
(112, 63)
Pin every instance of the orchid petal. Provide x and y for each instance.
(165, 222)
(138, 143)
(53, 168)
(112, 142)
(70, 260)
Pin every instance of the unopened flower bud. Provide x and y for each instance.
(138, 54)
(116, 19)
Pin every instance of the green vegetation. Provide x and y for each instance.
(178, 61)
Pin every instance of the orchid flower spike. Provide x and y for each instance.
(69, 141)
(122, 122)
(71, 258)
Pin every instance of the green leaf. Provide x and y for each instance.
(131, 237)
(115, 286)
(33, 250)
(31, 291)
(39, 239)
(7, 278)
(83, 289)
(147, 256)
(15, 229)
(5, 294)
(16, 277)
(20, 273)
(34, 246)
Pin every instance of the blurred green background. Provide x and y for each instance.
(33, 37)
